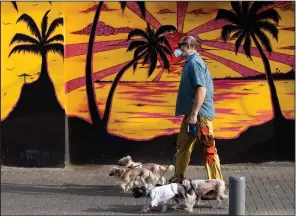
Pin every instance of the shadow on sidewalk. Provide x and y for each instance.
(135, 210)
(85, 190)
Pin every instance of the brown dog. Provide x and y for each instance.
(131, 177)
(157, 169)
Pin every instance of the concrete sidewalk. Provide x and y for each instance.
(89, 190)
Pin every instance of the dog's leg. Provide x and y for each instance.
(219, 202)
(177, 205)
(199, 202)
(123, 186)
(146, 209)
(164, 207)
(144, 182)
(129, 186)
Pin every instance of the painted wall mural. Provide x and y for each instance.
(120, 94)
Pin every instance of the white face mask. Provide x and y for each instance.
(178, 52)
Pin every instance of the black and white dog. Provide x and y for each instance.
(164, 193)
(210, 188)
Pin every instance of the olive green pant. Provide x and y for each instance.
(186, 143)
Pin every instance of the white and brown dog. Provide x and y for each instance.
(210, 188)
(162, 194)
(157, 169)
(133, 177)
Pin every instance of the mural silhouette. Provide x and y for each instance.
(114, 108)
(30, 123)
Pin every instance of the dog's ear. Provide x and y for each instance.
(129, 157)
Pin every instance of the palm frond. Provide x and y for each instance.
(25, 48)
(30, 24)
(122, 5)
(239, 41)
(258, 6)
(165, 49)
(227, 16)
(22, 38)
(163, 40)
(44, 24)
(136, 33)
(135, 44)
(263, 39)
(153, 61)
(142, 7)
(245, 9)
(166, 64)
(164, 29)
(236, 6)
(150, 31)
(236, 35)
(58, 37)
(14, 4)
(270, 14)
(55, 48)
(137, 52)
(140, 4)
(146, 58)
(56, 23)
(268, 27)
(247, 46)
(227, 30)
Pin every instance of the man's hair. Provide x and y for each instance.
(189, 41)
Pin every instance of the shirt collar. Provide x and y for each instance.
(188, 58)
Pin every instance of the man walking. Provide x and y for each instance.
(195, 101)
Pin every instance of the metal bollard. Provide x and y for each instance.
(237, 197)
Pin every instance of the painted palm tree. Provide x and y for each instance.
(151, 47)
(92, 103)
(41, 44)
(250, 23)
(14, 4)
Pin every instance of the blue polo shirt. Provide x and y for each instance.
(195, 73)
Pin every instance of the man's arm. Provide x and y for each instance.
(198, 99)
(198, 81)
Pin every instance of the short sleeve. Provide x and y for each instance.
(198, 75)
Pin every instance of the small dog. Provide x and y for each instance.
(157, 170)
(131, 177)
(211, 188)
(165, 193)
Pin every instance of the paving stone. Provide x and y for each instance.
(88, 190)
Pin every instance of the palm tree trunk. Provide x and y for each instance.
(43, 77)
(278, 116)
(90, 91)
(113, 88)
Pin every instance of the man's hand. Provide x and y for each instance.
(192, 118)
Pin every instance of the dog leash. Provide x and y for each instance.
(161, 154)
(163, 173)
